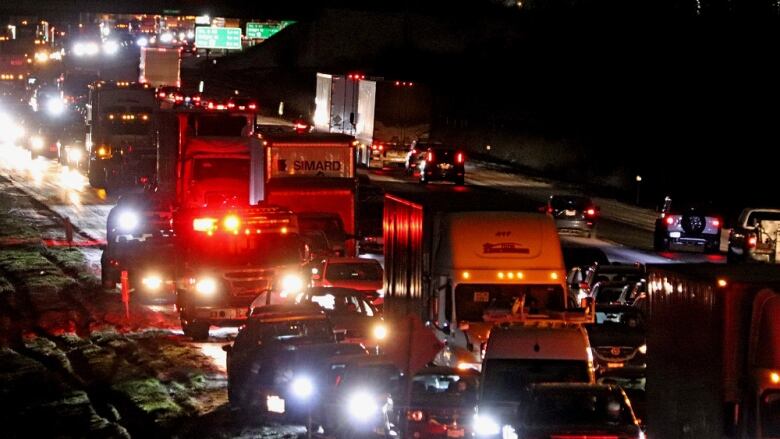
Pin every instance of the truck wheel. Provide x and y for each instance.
(198, 331)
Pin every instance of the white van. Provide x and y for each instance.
(519, 355)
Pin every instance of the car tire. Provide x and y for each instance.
(196, 330)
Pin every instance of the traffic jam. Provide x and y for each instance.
(344, 275)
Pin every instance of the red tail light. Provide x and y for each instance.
(252, 106)
(590, 212)
(429, 157)
(669, 220)
(716, 222)
(211, 106)
(373, 147)
(752, 241)
(459, 158)
(381, 147)
(161, 94)
(231, 105)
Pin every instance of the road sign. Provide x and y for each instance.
(218, 38)
(265, 30)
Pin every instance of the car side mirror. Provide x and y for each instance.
(227, 348)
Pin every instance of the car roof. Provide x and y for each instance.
(336, 291)
(350, 261)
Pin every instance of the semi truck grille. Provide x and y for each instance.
(248, 282)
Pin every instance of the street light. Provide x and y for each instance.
(638, 183)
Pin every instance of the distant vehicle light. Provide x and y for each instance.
(642, 349)
(291, 284)
(252, 106)
(75, 155)
(55, 106)
(103, 152)
(429, 157)
(775, 377)
(752, 242)
(459, 157)
(166, 38)
(36, 142)
(362, 406)
(716, 222)
(486, 426)
(206, 286)
(152, 282)
(142, 42)
(128, 221)
(415, 415)
(590, 212)
(110, 47)
(669, 220)
(204, 224)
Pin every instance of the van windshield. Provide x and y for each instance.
(507, 379)
(474, 301)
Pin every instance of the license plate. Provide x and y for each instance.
(225, 314)
(458, 432)
(445, 166)
(674, 234)
(614, 364)
(570, 212)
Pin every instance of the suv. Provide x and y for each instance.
(687, 226)
(442, 163)
(416, 154)
(755, 236)
(573, 214)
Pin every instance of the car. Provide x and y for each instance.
(442, 163)
(242, 104)
(558, 410)
(43, 143)
(573, 214)
(362, 398)
(361, 274)
(439, 404)
(279, 364)
(754, 237)
(605, 292)
(686, 226)
(415, 153)
(617, 339)
(388, 154)
(350, 312)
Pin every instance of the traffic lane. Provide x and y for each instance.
(64, 190)
(622, 242)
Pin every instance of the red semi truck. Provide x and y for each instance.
(713, 349)
(314, 175)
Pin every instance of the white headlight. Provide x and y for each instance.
(643, 349)
(110, 47)
(55, 106)
(206, 286)
(292, 283)
(166, 37)
(128, 221)
(380, 331)
(74, 155)
(302, 387)
(36, 142)
(152, 282)
(486, 426)
(362, 406)
(142, 42)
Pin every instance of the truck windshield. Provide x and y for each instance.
(221, 125)
(207, 169)
(264, 250)
(770, 414)
(507, 379)
(474, 301)
(578, 407)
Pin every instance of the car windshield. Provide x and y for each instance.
(618, 319)
(353, 271)
(206, 169)
(576, 203)
(608, 293)
(437, 386)
(474, 301)
(507, 379)
(561, 407)
(345, 304)
(759, 216)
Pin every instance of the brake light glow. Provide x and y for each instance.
(429, 158)
(204, 224)
(716, 222)
(752, 241)
(252, 106)
(231, 223)
(591, 212)
(459, 157)
(669, 220)
(211, 106)
(231, 105)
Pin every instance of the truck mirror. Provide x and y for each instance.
(352, 118)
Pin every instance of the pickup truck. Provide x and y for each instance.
(754, 236)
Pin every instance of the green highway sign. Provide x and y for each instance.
(218, 37)
(265, 30)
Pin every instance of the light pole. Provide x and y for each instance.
(638, 184)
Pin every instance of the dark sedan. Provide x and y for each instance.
(573, 214)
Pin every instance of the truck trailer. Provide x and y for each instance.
(160, 66)
(465, 261)
(713, 343)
